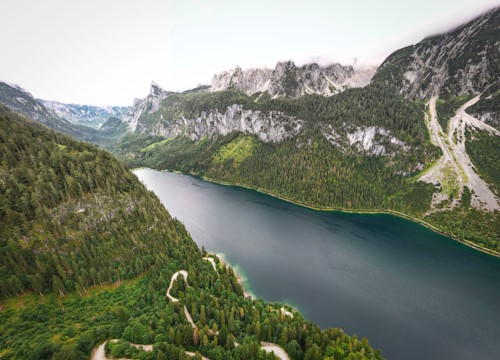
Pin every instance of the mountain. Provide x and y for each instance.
(19, 100)
(463, 61)
(406, 143)
(291, 81)
(88, 115)
(148, 105)
(88, 254)
(61, 199)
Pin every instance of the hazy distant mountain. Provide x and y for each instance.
(87, 115)
(21, 101)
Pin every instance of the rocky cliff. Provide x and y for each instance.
(291, 81)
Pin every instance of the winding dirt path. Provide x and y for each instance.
(277, 350)
(190, 353)
(454, 169)
(188, 317)
(212, 261)
(174, 277)
(98, 352)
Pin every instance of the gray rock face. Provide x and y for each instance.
(267, 126)
(465, 60)
(371, 140)
(149, 105)
(289, 80)
(252, 80)
(273, 126)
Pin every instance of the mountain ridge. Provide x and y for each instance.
(288, 80)
(88, 115)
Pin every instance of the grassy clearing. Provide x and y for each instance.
(237, 150)
(154, 145)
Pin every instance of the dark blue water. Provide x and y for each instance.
(413, 293)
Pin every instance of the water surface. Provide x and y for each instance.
(413, 293)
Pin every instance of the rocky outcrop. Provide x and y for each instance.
(149, 105)
(291, 81)
(267, 126)
(371, 140)
(272, 126)
(249, 81)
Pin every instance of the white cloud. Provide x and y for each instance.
(109, 51)
(205, 10)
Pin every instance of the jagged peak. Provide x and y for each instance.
(313, 66)
(252, 80)
(285, 64)
(156, 90)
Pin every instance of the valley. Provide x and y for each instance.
(307, 209)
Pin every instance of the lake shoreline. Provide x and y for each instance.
(361, 273)
(353, 211)
(247, 292)
(343, 210)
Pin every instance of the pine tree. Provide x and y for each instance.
(58, 285)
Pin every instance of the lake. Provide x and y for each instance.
(413, 293)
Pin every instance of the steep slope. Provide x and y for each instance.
(70, 212)
(88, 115)
(464, 60)
(454, 170)
(86, 254)
(290, 81)
(210, 115)
(487, 109)
(21, 101)
(145, 106)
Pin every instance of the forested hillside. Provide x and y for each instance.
(72, 216)
(87, 255)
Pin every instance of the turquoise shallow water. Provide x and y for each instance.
(413, 293)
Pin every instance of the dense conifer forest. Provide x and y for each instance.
(87, 254)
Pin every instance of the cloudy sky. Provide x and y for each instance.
(108, 52)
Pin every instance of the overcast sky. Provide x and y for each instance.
(108, 52)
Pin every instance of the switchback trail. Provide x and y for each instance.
(98, 352)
